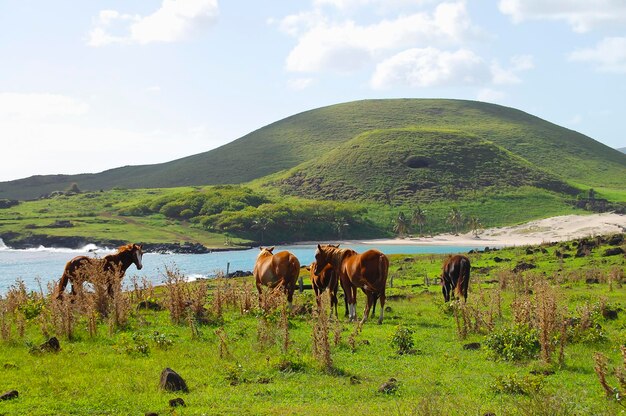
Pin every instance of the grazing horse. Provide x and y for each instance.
(280, 269)
(326, 279)
(455, 275)
(367, 270)
(77, 270)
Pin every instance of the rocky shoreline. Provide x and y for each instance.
(19, 242)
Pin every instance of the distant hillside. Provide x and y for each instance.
(414, 165)
(622, 149)
(308, 136)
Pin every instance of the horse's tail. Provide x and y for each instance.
(383, 269)
(463, 278)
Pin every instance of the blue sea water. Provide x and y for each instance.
(44, 265)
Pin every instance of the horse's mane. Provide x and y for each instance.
(338, 253)
(127, 247)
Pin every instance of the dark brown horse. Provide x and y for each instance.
(326, 279)
(78, 269)
(455, 276)
(273, 270)
(367, 271)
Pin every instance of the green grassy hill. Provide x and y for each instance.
(312, 134)
(415, 165)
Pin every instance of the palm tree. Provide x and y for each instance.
(419, 218)
(262, 224)
(456, 219)
(401, 225)
(340, 224)
(475, 225)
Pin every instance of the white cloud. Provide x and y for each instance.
(490, 95)
(430, 67)
(175, 20)
(581, 15)
(36, 106)
(502, 76)
(299, 84)
(355, 4)
(346, 46)
(609, 55)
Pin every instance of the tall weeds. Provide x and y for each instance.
(320, 335)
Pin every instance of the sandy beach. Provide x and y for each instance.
(566, 227)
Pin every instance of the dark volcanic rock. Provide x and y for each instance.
(51, 345)
(615, 251)
(523, 266)
(177, 402)
(9, 395)
(172, 381)
(472, 346)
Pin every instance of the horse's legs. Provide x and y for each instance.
(374, 304)
(353, 301)
(290, 288)
(368, 303)
(347, 292)
(382, 307)
(445, 289)
(316, 290)
(260, 290)
(332, 293)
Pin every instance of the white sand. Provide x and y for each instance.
(566, 227)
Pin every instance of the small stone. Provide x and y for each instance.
(472, 346)
(389, 386)
(177, 402)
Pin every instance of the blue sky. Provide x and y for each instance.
(91, 85)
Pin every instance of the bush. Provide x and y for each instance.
(515, 384)
(513, 344)
(402, 340)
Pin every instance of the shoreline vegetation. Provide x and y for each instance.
(553, 229)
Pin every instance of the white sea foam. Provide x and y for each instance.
(89, 248)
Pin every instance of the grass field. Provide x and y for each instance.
(239, 357)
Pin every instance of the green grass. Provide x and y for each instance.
(100, 376)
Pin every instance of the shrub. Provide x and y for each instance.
(515, 384)
(513, 344)
(402, 340)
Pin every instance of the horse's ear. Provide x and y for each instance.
(271, 249)
(260, 247)
(319, 247)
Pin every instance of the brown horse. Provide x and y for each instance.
(327, 279)
(77, 270)
(367, 270)
(455, 276)
(273, 270)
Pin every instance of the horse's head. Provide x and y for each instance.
(137, 255)
(265, 251)
(322, 257)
